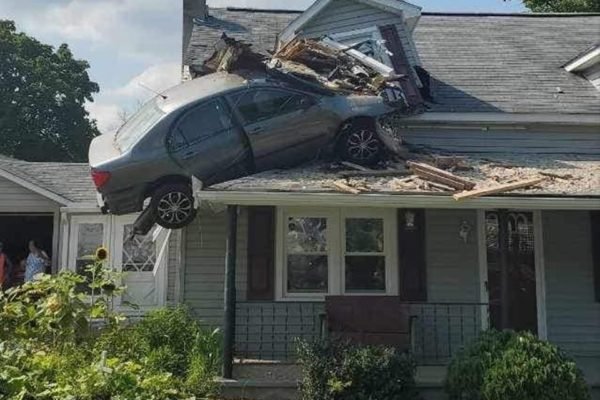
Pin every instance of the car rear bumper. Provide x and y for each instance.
(122, 202)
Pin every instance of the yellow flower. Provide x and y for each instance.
(101, 254)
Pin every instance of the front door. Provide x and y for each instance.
(511, 270)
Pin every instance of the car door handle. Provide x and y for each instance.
(256, 129)
(189, 154)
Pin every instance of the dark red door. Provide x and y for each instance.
(511, 270)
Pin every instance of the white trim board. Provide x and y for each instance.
(499, 118)
(394, 200)
(35, 188)
(407, 10)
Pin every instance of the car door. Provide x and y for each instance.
(284, 127)
(207, 143)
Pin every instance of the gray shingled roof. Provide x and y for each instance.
(69, 180)
(494, 63)
(507, 63)
(257, 27)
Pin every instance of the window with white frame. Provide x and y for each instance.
(344, 251)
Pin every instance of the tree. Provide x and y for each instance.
(563, 5)
(42, 97)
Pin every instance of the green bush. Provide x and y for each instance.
(508, 365)
(333, 370)
(52, 347)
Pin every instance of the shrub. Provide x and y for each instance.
(333, 370)
(507, 365)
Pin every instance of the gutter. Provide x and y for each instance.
(499, 118)
(395, 200)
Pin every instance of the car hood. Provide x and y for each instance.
(102, 150)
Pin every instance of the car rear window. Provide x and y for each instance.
(138, 125)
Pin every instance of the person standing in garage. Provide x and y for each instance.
(36, 261)
(5, 269)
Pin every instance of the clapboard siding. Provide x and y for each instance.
(573, 316)
(452, 265)
(526, 141)
(16, 198)
(343, 16)
(204, 274)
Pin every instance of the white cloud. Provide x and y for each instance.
(110, 105)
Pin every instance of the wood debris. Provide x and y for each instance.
(506, 187)
(355, 166)
(374, 173)
(556, 176)
(344, 187)
(452, 163)
(437, 175)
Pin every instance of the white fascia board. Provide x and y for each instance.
(504, 118)
(407, 10)
(584, 62)
(81, 208)
(35, 188)
(291, 31)
(396, 200)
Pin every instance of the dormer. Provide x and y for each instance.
(587, 65)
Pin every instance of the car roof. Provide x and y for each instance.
(199, 88)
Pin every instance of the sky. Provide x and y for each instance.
(135, 43)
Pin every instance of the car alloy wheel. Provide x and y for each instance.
(174, 208)
(362, 145)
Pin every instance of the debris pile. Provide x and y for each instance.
(324, 66)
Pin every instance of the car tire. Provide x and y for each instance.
(360, 144)
(173, 205)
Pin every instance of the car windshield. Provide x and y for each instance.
(137, 126)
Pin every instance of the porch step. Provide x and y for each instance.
(258, 389)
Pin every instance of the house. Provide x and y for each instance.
(55, 204)
(274, 255)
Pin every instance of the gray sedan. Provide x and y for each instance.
(220, 127)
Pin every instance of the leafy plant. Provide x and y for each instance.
(508, 365)
(333, 370)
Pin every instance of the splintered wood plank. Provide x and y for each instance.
(440, 176)
(506, 187)
(342, 187)
(355, 166)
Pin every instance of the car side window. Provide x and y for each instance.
(176, 141)
(263, 104)
(207, 120)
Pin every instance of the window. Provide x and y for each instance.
(262, 104)
(364, 256)
(89, 233)
(347, 251)
(205, 121)
(306, 249)
(139, 253)
(137, 126)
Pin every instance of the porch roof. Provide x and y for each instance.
(566, 176)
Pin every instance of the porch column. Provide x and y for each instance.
(230, 292)
(503, 244)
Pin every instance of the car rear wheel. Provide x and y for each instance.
(360, 144)
(173, 205)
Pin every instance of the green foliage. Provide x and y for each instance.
(52, 345)
(559, 6)
(42, 96)
(333, 370)
(507, 365)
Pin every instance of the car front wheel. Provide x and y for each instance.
(173, 205)
(361, 145)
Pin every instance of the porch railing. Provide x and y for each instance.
(269, 330)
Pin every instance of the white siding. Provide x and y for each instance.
(15, 198)
(573, 315)
(347, 15)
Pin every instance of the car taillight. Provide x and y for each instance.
(100, 177)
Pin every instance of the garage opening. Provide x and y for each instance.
(15, 233)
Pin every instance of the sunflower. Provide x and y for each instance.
(101, 254)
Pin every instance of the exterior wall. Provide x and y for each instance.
(538, 140)
(452, 265)
(573, 316)
(17, 199)
(204, 271)
(343, 16)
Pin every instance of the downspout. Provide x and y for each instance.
(230, 292)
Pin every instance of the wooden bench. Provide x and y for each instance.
(369, 320)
